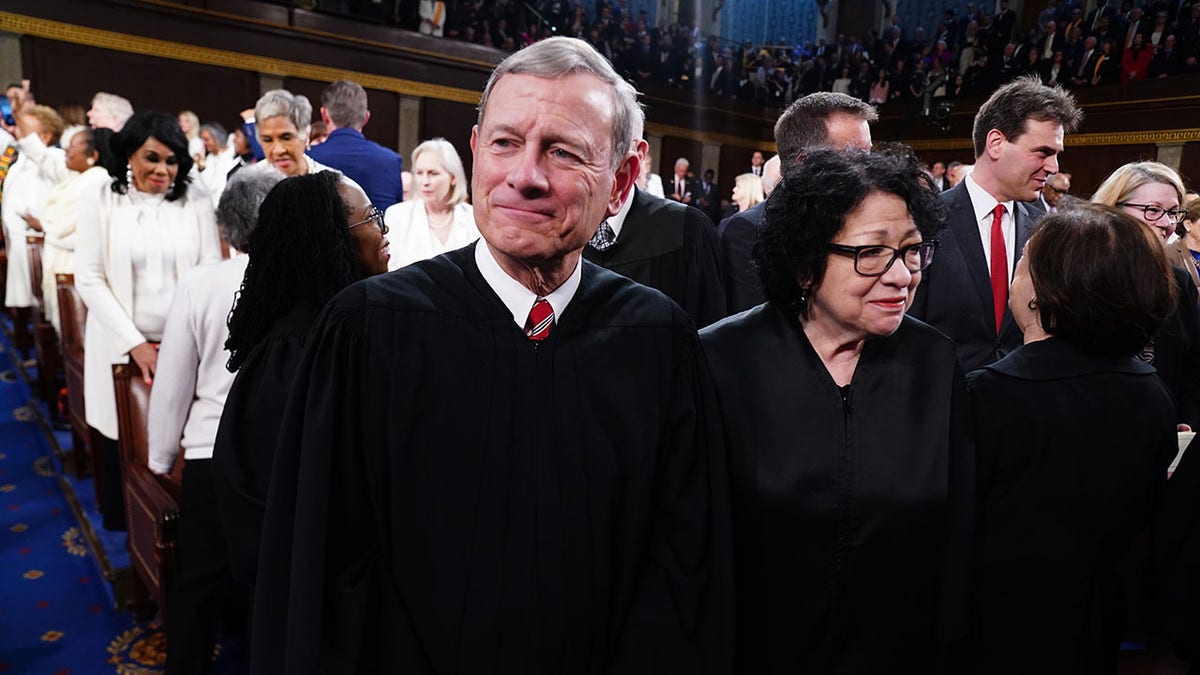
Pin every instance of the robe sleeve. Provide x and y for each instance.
(682, 614)
(323, 590)
(708, 303)
(1189, 391)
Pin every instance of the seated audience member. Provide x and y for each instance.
(1152, 192)
(185, 408)
(374, 167)
(316, 234)
(1068, 471)
(865, 476)
(1185, 251)
(501, 459)
(438, 218)
(59, 218)
(134, 241)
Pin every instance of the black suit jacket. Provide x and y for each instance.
(738, 232)
(955, 295)
(671, 248)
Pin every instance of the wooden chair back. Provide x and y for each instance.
(151, 502)
(72, 318)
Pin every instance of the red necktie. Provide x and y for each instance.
(541, 319)
(999, 266)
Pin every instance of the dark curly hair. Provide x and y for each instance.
(300, 255)
(809, 207)
(1102, 279)
(142, 126)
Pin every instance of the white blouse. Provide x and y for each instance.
(411, 238)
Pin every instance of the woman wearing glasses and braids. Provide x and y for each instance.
(1073, 439)
(1152, 192)
(847, 430)
(316, 234)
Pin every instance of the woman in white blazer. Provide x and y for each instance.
(439, 219)
(134, 241)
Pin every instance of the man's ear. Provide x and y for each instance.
(325, 117)
(993, 144)
(366, 118)
(626, 176)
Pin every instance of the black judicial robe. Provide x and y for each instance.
(852, 507)
(672, 248)
(1072, 452)
(450, 497)
(245, 444)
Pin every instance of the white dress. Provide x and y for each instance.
(26, 190)
(131, 249)
(410, 238)
(59, 220)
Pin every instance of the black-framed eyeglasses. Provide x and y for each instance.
(875, 261)
(375, 216)
(1057, 191)
(1154, 212)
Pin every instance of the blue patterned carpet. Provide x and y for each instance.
(57, 614)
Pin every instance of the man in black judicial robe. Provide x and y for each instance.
(454, 493)
(820, 120)
(667, 246)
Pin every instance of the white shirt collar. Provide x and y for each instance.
(983, 202)
(618, 221)
(518, 299)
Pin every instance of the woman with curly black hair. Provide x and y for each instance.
(133, 244)
(316, 234)
(847, 431)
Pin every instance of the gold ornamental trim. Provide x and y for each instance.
(136, 44)
(1077, 140)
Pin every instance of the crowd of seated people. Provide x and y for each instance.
(968, 54)
(836, 329)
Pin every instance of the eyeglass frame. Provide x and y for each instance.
(897, 253)
(1058, 191)
(1175, 216)
(376, 214)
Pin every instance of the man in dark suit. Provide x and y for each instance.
(709, 196)
(821, 120)
(374, 167)
(1017, 136)
(664, 245)
(1081, 71)
(683, 188)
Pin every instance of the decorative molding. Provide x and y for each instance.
(1077, 140)
(136, 44)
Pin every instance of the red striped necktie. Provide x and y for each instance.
(540, 321)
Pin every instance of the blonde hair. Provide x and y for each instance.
(49, 121)
(750, 186)
(1118, 186)
(194, 128)
(451, 162)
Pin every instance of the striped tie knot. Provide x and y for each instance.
(541, 319)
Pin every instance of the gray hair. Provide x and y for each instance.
(237, 211)
(117, 106)
(451, 162)
(283, 103)
(346, 104)
(557, 57)
(217, 131)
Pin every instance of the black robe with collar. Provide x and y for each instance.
(1072, 452)
(450, 497)
(852, 506)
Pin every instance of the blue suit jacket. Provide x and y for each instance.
(955, 295)
(367, 163)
